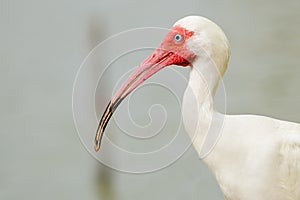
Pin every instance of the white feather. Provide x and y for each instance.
(255, 157)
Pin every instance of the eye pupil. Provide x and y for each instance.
(178, 37)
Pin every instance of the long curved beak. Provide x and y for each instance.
(153, 63)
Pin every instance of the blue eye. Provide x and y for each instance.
(178, 37)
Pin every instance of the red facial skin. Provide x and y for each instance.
(170, 52)
(182, 56)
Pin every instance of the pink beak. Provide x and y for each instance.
(156, 61)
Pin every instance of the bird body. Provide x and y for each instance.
(257, 157)
(252, 157)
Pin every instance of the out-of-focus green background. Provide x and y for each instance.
(42, 45)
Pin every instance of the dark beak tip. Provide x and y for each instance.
(96, 147)
(97, 143)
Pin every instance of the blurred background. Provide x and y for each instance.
(43, 44)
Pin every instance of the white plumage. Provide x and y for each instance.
(255, 157)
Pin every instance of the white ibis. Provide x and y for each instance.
(255, 157)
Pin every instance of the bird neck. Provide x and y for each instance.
(198, 110)
(205, 76)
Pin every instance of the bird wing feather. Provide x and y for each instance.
(289, 160)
